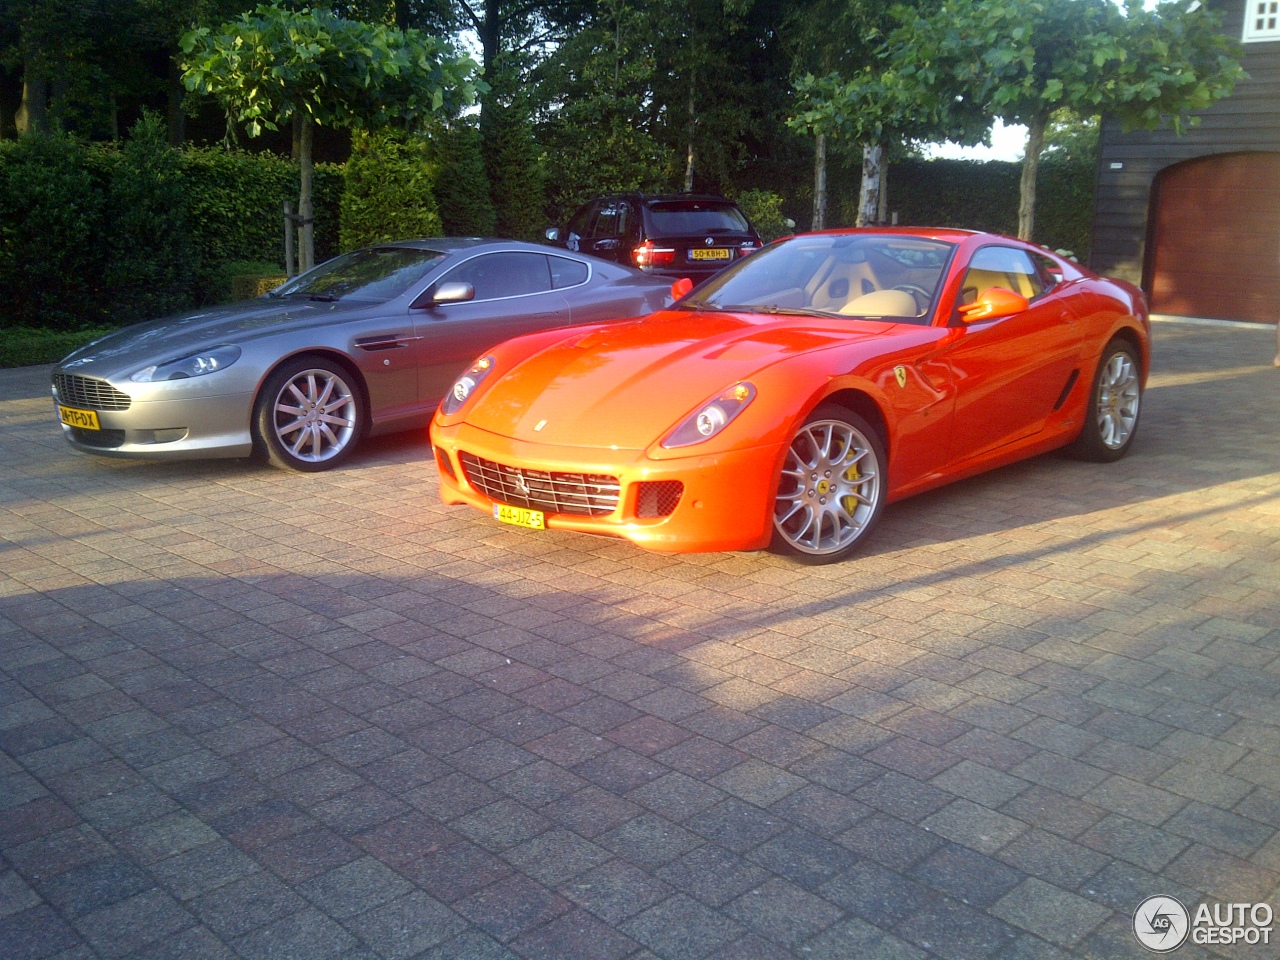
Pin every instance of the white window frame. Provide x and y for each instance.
(1261, 21)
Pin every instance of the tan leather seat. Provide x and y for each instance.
(882, 303)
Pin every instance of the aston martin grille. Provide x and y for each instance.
(89, 392)
(578, 494)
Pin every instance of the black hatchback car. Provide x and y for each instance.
(678, 235)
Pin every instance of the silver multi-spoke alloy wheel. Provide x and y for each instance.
(831, 489)
(1119, 394)
(1115, 402)
(309, 415)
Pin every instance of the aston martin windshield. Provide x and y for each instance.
(378, 273)
(876, 275)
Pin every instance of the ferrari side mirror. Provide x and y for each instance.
(994, 303)
(681, 287)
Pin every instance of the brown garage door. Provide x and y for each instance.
(1215, 248)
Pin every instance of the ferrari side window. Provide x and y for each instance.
(498, 275)
(1003, 267)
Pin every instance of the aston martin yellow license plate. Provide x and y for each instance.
(520, 517)
(84, 419)
(709, 253)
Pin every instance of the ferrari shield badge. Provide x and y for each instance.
(900, 374)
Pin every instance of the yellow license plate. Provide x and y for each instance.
(520, 517)
(84, 419)
(709, 253)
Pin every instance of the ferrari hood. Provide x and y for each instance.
(131, 348)
(623, 386)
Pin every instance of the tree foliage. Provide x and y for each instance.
(1020, 60)
(313, 67)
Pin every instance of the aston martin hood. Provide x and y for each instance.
(131, 348)
(625, 385)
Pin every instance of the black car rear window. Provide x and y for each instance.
(676, 218)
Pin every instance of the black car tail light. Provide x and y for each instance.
(648, 255)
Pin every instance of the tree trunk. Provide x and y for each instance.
(306, 229)
(882, 212)
(869, 193)
(1030, 167)
(32, 119)
(819, 182)
(177, 117)
(693, 119)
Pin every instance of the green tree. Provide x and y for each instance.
(1021, 60)
(313, 67)
(597, 123)
(876, 107)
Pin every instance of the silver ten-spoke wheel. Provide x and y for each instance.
(1118, 398)
(832, 487)
(1114, 404)
(308, 415)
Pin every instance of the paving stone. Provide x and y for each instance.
(406, 926)
(615, 891)
(681, 928)
(1050, 912)
(783, 912)
(1049, 691)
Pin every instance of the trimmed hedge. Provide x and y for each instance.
(235, 203)
(984, 196)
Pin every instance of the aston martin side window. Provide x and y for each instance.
(498, 275)
(566, 272)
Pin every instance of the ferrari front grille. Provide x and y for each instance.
(89, 392)
(575, 494)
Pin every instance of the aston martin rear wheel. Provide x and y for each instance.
(1115, 400)
(309, 415)
(832, 488)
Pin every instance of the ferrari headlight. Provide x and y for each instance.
(712, 417)
(465, 385)
(192, 365)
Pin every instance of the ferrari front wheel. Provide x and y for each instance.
(1114, 402)
(832, 488)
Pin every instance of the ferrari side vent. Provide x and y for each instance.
(574, 494)
(1066, 391)
(89, 392)
(658, 498)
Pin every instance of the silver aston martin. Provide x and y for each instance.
(363, 344)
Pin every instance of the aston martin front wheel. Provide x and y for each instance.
(1115, 400)
(832, 488)
(309, 415)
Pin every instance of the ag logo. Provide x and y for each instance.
(900, 374)
(1161, 924)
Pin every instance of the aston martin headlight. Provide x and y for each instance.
(712, 417)
(192, 365)
(466, 385)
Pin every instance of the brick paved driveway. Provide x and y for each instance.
(251, 714)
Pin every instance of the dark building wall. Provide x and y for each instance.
(1128, 162)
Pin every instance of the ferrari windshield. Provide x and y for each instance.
(851, 275)
(378, 274)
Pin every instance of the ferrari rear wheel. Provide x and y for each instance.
(832, 488)
(308, 416)
(1114, 403)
